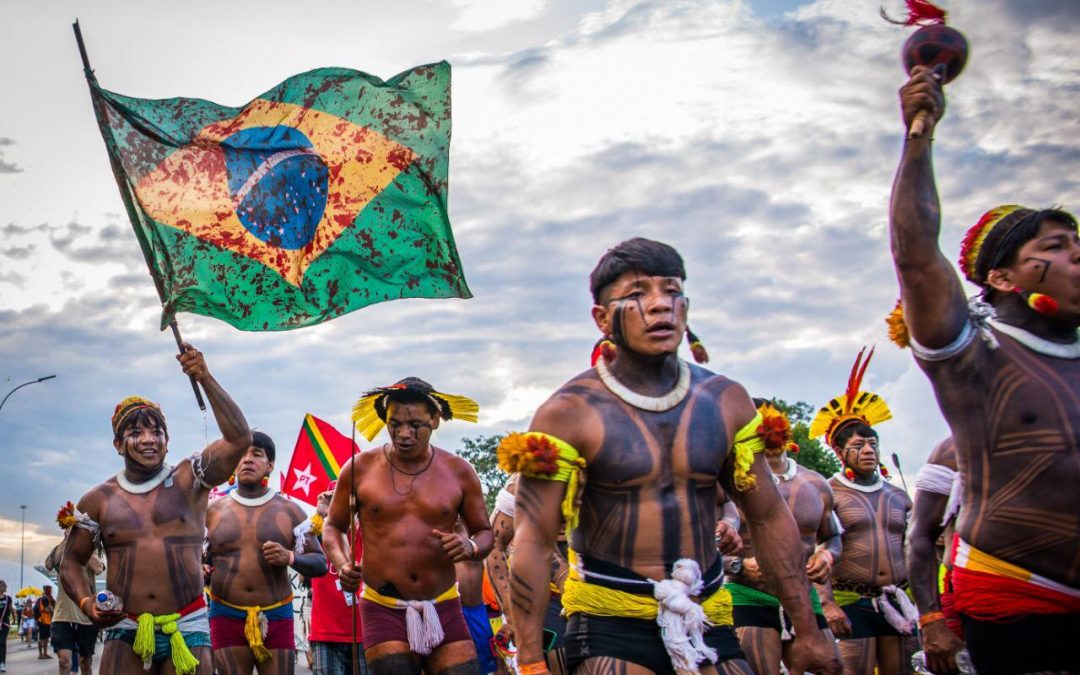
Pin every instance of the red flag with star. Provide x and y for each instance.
(320, 452)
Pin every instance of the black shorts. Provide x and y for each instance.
(66, 635)
(754, 616)
(43, 630)
(554, 626)
(867, 622)
(636, 641)
(1028, 645)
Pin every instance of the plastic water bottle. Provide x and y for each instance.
(350, 598)
(106, 601)
(963, 663)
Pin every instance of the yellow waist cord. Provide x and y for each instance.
(378, 598)
(580, 596)
(184, 662)
(253, 629)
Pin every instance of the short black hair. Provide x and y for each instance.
(849, 429)
(148, 416)
(264, 443)
(653, 258)
(413, 390)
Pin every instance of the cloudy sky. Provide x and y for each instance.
(759, 137)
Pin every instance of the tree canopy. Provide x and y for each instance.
(480, 452)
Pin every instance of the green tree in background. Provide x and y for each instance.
(480, 452)
(812, 453)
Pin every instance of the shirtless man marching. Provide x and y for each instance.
(498, 567)
(933, 518)
(764, 630)
(408, 495)
(151, 519)
(867, 608)
(629, 455)
(255, 536)
(1006, 373)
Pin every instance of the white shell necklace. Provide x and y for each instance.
(792, 469)
(252, 501)
(145, 486)
(874, 487)
(640, 401)
(1037, 344)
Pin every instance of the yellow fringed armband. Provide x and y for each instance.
(543, 456)
(748, 442)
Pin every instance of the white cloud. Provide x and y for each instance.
(484, 15)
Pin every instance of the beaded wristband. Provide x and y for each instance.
(533, 668)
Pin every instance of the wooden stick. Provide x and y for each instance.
(918, 125)
(125, 196)
(194, 384)
(352, 539)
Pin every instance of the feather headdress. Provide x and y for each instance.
(775, 430)
(853, 405)
(369, 413)
(65, 517)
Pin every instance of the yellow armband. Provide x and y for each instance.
(543, 456)
(748, 442)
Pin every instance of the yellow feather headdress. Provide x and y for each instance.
(853, 405)
(369, 413)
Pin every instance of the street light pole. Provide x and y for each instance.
(40, 379)
(22, 544)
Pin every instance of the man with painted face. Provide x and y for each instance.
(150, 518)
(408, 495)
(629, 454)
(867, 607)
(255, 536)
(1006, 372)
(763, 628)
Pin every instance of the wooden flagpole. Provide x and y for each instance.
(125, 195)
(352, 537)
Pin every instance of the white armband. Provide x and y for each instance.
(504, 502)
(935, 478)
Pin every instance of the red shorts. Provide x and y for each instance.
(228, 632)
(382, 624)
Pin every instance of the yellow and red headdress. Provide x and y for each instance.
(775, 430)
(853, 405)
(65, 517)
(132, 404)
(981, 241)
(369, 413)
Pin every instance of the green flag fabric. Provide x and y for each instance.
(323, 195)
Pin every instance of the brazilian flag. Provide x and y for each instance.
(323, 195)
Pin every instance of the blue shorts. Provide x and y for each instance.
(162, 648)
(476, 619)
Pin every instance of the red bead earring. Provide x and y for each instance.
(232, 479)
(603, 349)
(848, 473)
(265, 481)
(1040, 302)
